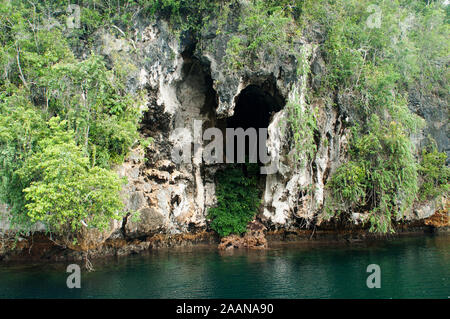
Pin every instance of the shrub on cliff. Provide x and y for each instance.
(237, 200)
(434, 172)
(46, 90)
(66, 191)
(381, 176)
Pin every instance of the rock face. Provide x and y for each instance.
(436, 112)
(441, 218)
(254, 238)
(187, 82)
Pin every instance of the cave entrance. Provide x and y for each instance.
(254, 108)
(240, 184)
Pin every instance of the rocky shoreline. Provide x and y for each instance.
(40, 248)
(187, 80)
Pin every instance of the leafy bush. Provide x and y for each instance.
(237, 200)
(21, 128)
(66, 191)
(263, 29)
(95, 106)
(434, 172)
(43, 178)
(381, 177)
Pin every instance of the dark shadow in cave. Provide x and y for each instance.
(254, 108)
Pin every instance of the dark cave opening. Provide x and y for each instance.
(240, 184)
(255, 107)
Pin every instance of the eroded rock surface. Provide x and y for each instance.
(187, 81)
(254, 238)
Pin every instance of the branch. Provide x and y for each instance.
(20, 70)
(123, 33)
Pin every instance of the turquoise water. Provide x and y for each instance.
(413, 267)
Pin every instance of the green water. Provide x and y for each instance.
(413, 267)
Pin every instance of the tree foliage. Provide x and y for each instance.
(434, 173)
(262, 30)
(381, 177)
(66, 191)
(64, 122)
(237, 200)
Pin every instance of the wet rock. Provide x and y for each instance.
(254, 238)
(441, 218)
(424, 210)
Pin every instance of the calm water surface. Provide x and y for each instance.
(412, 267)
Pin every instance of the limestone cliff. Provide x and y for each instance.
(187, 79)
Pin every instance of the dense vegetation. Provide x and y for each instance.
(238, 199)
(64, 122)
(376, 52)
(434, 172)
(66, 118)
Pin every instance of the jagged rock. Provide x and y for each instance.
(137, 201)
(149, 222)
(254, 238)
(187, 81)
(424, 210)
(441, 218)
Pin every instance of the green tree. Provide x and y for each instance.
(381, 176)
(66, 192)
(41, 80)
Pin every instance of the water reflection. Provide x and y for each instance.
(410, 267)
